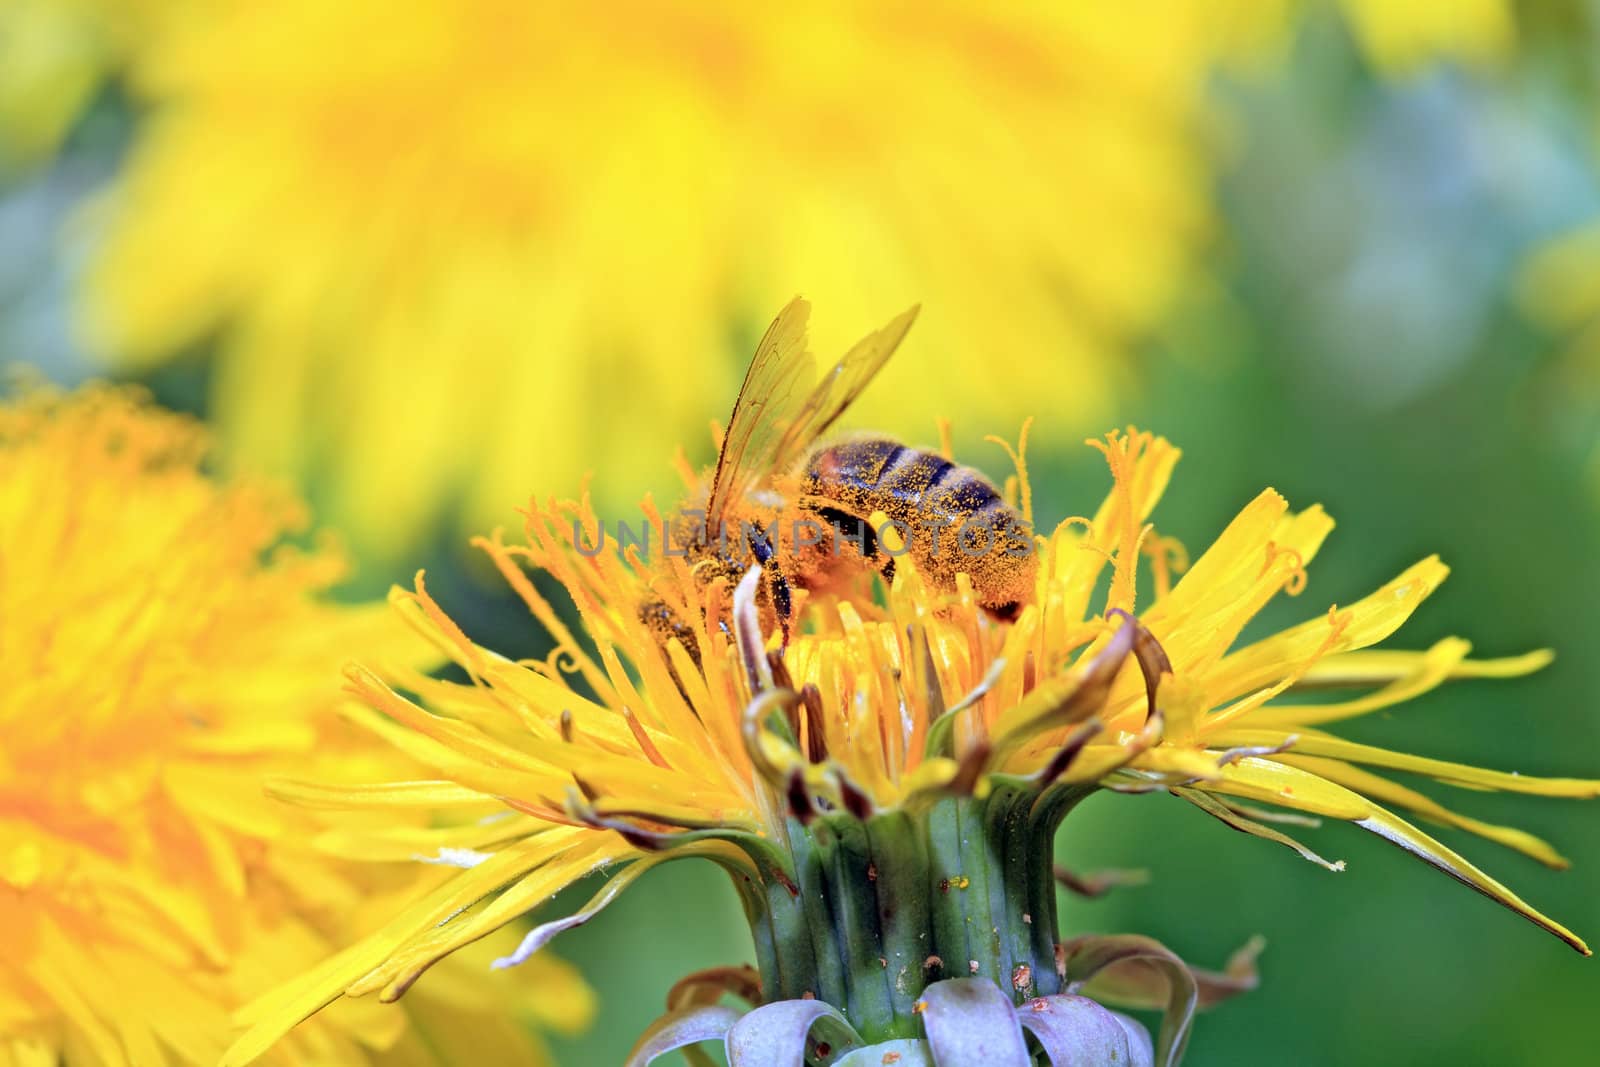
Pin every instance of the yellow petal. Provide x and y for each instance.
(1318, 744)
(1427, 670)
(1396, 795)
(1379, 667)
(1366, 622)
(273, 1015)
(429, 796)
(1231, 816)
(1265, 780)
(1395, 829)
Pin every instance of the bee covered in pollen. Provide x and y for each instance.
(821, 518)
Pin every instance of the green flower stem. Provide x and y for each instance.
(762, 930)
(1006, 824)
(903, 913)
(965, 922)
(1045, 815)
(811, 913)
(868, 912)
(852, 881)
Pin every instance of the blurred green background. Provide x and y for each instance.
(1361, 337)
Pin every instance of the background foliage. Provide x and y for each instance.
(1377, 327)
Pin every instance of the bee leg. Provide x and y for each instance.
(777, 585)
(781, 601)
(662, 622)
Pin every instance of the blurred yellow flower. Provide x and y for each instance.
(621, 750)
(492, 217)
(161, 655)
(489, 216)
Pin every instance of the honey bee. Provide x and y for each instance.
(804, 511)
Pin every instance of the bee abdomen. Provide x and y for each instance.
(879, 474)
(983, 536)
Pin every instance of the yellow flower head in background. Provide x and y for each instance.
(494, 216)
(622, 749)
(502, 218)
(161, 655)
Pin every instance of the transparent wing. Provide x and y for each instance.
(774, 391)
(838, 389)
(780, 413)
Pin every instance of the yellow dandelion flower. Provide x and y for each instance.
(492, 215)
(884, 785)
(425, 221)
(161, 658)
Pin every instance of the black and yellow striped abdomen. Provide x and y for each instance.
(956, 518)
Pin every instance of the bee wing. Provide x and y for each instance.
(774, 423)
(839, 388)
(770, 401)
